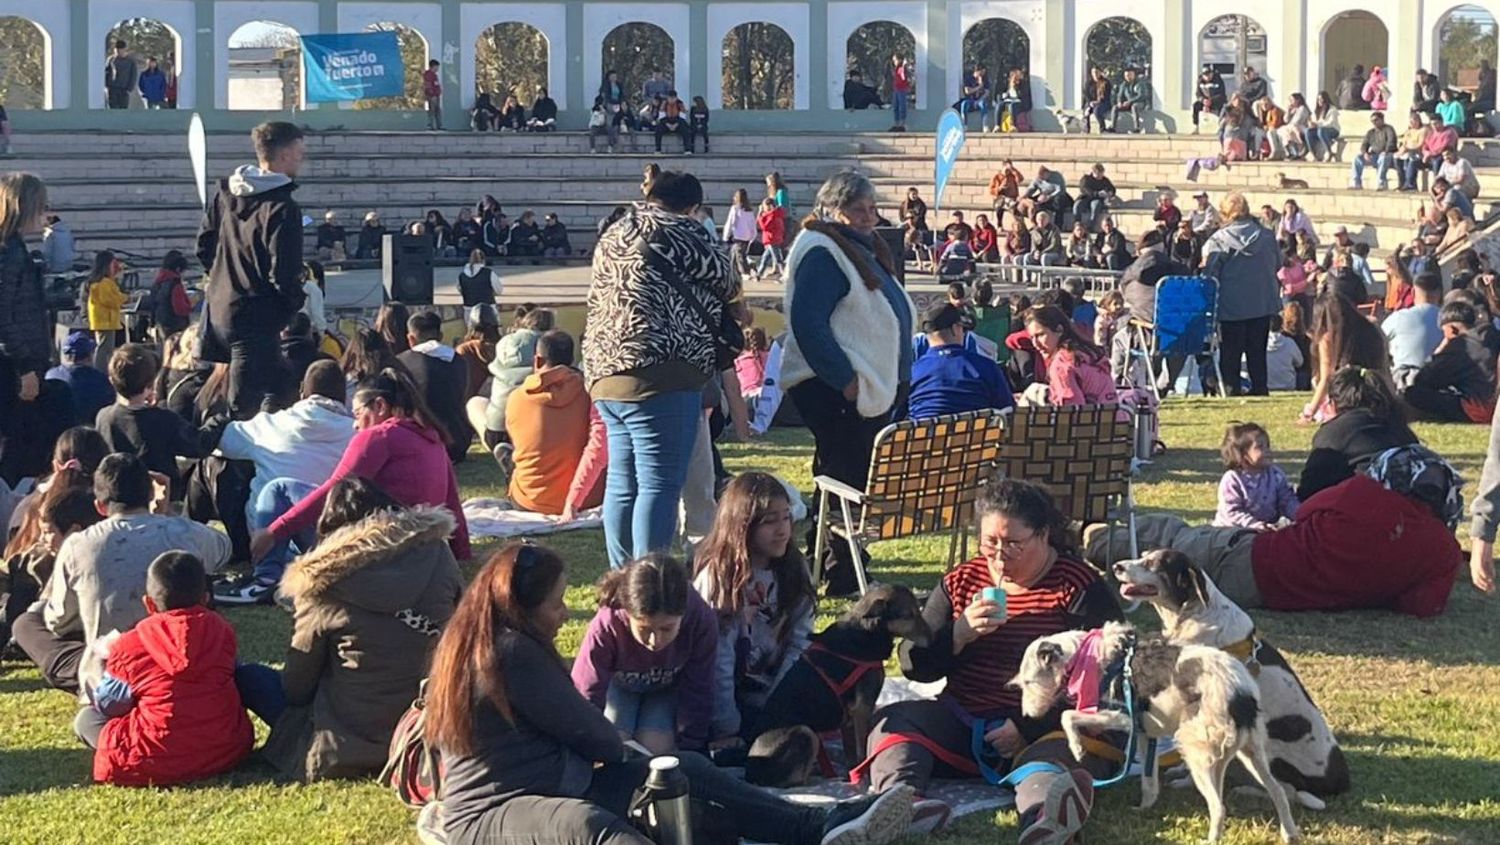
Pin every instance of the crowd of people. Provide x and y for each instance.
(481, 232)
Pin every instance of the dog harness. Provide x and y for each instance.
(858, 669)
(1246, 651)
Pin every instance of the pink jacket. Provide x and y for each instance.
(1376, 90)
(1075, 380)
(1293, 279)
(591, 466)
(750, 368)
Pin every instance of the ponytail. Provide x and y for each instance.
(652, 585)
(398, 391)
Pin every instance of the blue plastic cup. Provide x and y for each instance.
(996, 595)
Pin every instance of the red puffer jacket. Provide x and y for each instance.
(187, 722)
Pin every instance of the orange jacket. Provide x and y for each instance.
(547, 418)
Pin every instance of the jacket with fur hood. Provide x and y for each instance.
(304, 442)
(251, 243)
(370, 602)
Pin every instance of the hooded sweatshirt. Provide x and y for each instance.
(547, 418)
(251, 243)
(510, 367)
(304, 442)
(174, 676)
(1283, 360)
(1244, 257)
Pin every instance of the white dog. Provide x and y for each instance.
(1071, 122)
(1304, 753)
(1202, 696)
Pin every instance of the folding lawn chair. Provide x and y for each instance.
(1186, 324)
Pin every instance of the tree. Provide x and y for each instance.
(758, 67)
(23, 79)
(414, 59)
(870, 48)
(144, 37)
(510, 58)
(1118, 43)
(1466, 37)
(1000, 45)
(634, 50)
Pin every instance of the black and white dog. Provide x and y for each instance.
(1202, 696)
(1304, 753)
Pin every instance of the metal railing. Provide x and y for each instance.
(1035, 277)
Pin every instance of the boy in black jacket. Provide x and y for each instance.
(135, 424)
(1458, 383)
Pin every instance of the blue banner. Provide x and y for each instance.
(950, 141)
(352, 67)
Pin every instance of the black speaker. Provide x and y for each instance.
(406, 268)
(895, 241)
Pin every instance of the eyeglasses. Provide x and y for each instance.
(988, 546)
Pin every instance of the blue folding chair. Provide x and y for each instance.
(1186, 324)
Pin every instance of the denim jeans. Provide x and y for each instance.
(633, 712)
(773, 255)
(257, 373)
(275, 499)
(1358, 171)
(650, 445)
(1320, 139)
(260, 691)
(1407, 167)
(898, 105)
(1087, 209)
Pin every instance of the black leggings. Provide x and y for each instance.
(1244, 339)
(599, 817)
(842, 439)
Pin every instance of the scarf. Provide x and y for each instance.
(840, 236)
(1084, 673)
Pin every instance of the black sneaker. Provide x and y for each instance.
(872, 820)
(245, 592)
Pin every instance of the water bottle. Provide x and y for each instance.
(671, 817)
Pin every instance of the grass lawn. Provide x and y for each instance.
(1412, 702)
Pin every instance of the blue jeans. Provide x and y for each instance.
(969, 104)
(1406, 170)
(1358, 169)
(898, 105)
(650, 446)
(1087, 209)
(632, 712)
(275, 499)
(260, 691)
(1320, 139)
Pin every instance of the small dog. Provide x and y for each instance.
(1287, 183)
(1071, 122)
(1304, 753)
(833, 685)
(1202, 696)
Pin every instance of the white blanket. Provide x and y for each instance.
(500, 518)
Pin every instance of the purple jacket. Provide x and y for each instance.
(1255, 499)
(610, 654)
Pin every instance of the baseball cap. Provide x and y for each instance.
(79, 344)
(1201, 195)
(941, 316)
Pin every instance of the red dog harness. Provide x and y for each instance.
(859, 668)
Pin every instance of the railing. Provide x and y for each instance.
(1033, 277)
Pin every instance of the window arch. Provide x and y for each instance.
(634, 50)
(1232, 43)
(1353, 38)
(1116, 43)
(510, 58)
(758, 67)
(1000, 44)
(414, 57)
(870, 48)
(23, 63)
(265, 67)
(1466, 41)
(147, 38)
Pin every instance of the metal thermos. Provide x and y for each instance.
(671, 816)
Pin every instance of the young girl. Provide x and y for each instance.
(1077, 371)
(1111, 322)
(750, 365)
(739, 231)
(647, 659)
(104, 300)
(1254, 492)
(772, 222)
(776, 189)
(64, 509)
(755, 580)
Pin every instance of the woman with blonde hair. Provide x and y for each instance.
(25, 343)
(1243, 257)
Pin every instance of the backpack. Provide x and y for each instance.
(413, 769)
(1419, 473)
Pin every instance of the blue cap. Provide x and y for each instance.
(79, 344)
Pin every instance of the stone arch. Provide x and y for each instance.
(1464, 37)
(414, 56)
(633, 50)
(25, 64)
(870, 47)
(1231, 43)
(146, 38)
(1351, 38)
(265, 67)
(1000, 44)
(1116, 43)
(511, 57)
(759, 67)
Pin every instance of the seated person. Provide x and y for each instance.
(525, 236)
(371, 238)
(1047, 192)
(1458, 383)
(1284, 359)
(341, 710)
(300, 347)
(1027, 550)
(1077, 371)
(167, 710)
(548, 419)
(647, 659)
(1047, 248)
(484, 115)
(1254, 492)
(958, 228)
(1413, 334)
(66, 508)
(512, 115)
(136, 424)
(986, 240)
(555, 238)
(543, 112)
(512, 364)
(96, 580)
(293, 451)
(858, 94)
(90, 388)
(441, 377)
(1111, 250)
(331, 237)
(955, 258)
(950, 377)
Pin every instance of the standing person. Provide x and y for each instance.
(169, 67)
(476, 282)
(772, 223)
(1212, 95)
(1244, 257)
(251, 243)
(903, 79)
(1351, 91)
(739, 231)
(847, 360)
(652, 341)
(105, 299)
(698, 124)
(153, 85)
(170, 306)
(432, 90)
(1325, 127)
(120, 77)
(59, 249)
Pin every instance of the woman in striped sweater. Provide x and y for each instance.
(1027, 550)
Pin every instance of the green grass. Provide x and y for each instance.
(1413, 702)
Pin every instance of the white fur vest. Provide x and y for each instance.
(863, 323)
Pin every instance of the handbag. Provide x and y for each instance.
(413, 768)
(728, 338)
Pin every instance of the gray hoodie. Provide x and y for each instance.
(249, 179)
(1486, 508)
(1244, 257)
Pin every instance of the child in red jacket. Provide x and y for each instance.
(772, 220)
(167, 710)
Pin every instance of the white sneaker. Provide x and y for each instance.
(874, 820)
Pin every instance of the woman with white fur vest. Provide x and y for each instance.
(847, 362)
(370, 602)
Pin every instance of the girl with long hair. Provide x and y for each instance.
(104, 299)
(1366, 417)
(1325, 127)
(1077, 370)
(478, 346)
(74, 458)
(527, 756)
(1342, 337)
(739, 231)
(25, 336)
(757, 583)
(390, 322)
(367, 354)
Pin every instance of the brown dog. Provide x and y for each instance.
(1286, 183)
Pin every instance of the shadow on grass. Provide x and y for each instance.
(18, 684)
(25, 770)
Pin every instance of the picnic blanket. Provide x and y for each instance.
(488, 517)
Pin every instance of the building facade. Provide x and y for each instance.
(1299, 45)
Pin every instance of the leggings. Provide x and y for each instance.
(1244, 340)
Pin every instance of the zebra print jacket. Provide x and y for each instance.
(636, 318)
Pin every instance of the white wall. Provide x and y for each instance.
(177, 14)
(551, 19)
(792, 17)
(845, 18)
(600, 18)
(53, 20)
(230, 16)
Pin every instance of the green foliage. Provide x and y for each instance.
(1117, 43)
(1000, 45)
(414, 58)
(758, 67)
(510, 58)
(870, 48)
(144, 37)
(634, 50)
(1465, 37)
(22, 75)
